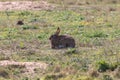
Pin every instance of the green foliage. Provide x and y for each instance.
(41, 36)
(71, 51)
(74, 77)
(21, 45)
(25, 27)
(33, 20)
(96, 34)
(114, 65)
(64, 16)
(102, 66)
(109, 25)
(87, 25)
(116, 33)
(25, 78)
(24, 13)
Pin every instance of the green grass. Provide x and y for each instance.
(96, 34)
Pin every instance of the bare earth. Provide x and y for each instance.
(30, 66)
(25, 5)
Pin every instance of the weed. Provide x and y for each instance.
(25, 78)
(113, 66)
(102, 66)
(21, 45)
(25, 27)
(24, 13)
(42, 36)
(71, 51)
(96, 34)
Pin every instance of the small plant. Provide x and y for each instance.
(102, 66)
(24, 13)
(21, 45)
(96, 34)
(25, 78)
(116, 33)
(71, 51)
(109, 25)
(25, 27)
(114, 66)
(42, 36)
(33, 20)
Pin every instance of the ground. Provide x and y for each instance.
(26, 52)
(25, 5)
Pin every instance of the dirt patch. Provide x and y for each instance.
(30, 66)
(25, 5)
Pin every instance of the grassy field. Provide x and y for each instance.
(94, 25)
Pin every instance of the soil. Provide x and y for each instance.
(29, 66)
(25, 5)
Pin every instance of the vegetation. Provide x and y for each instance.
(94, 26)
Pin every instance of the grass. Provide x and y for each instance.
(96, 31)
